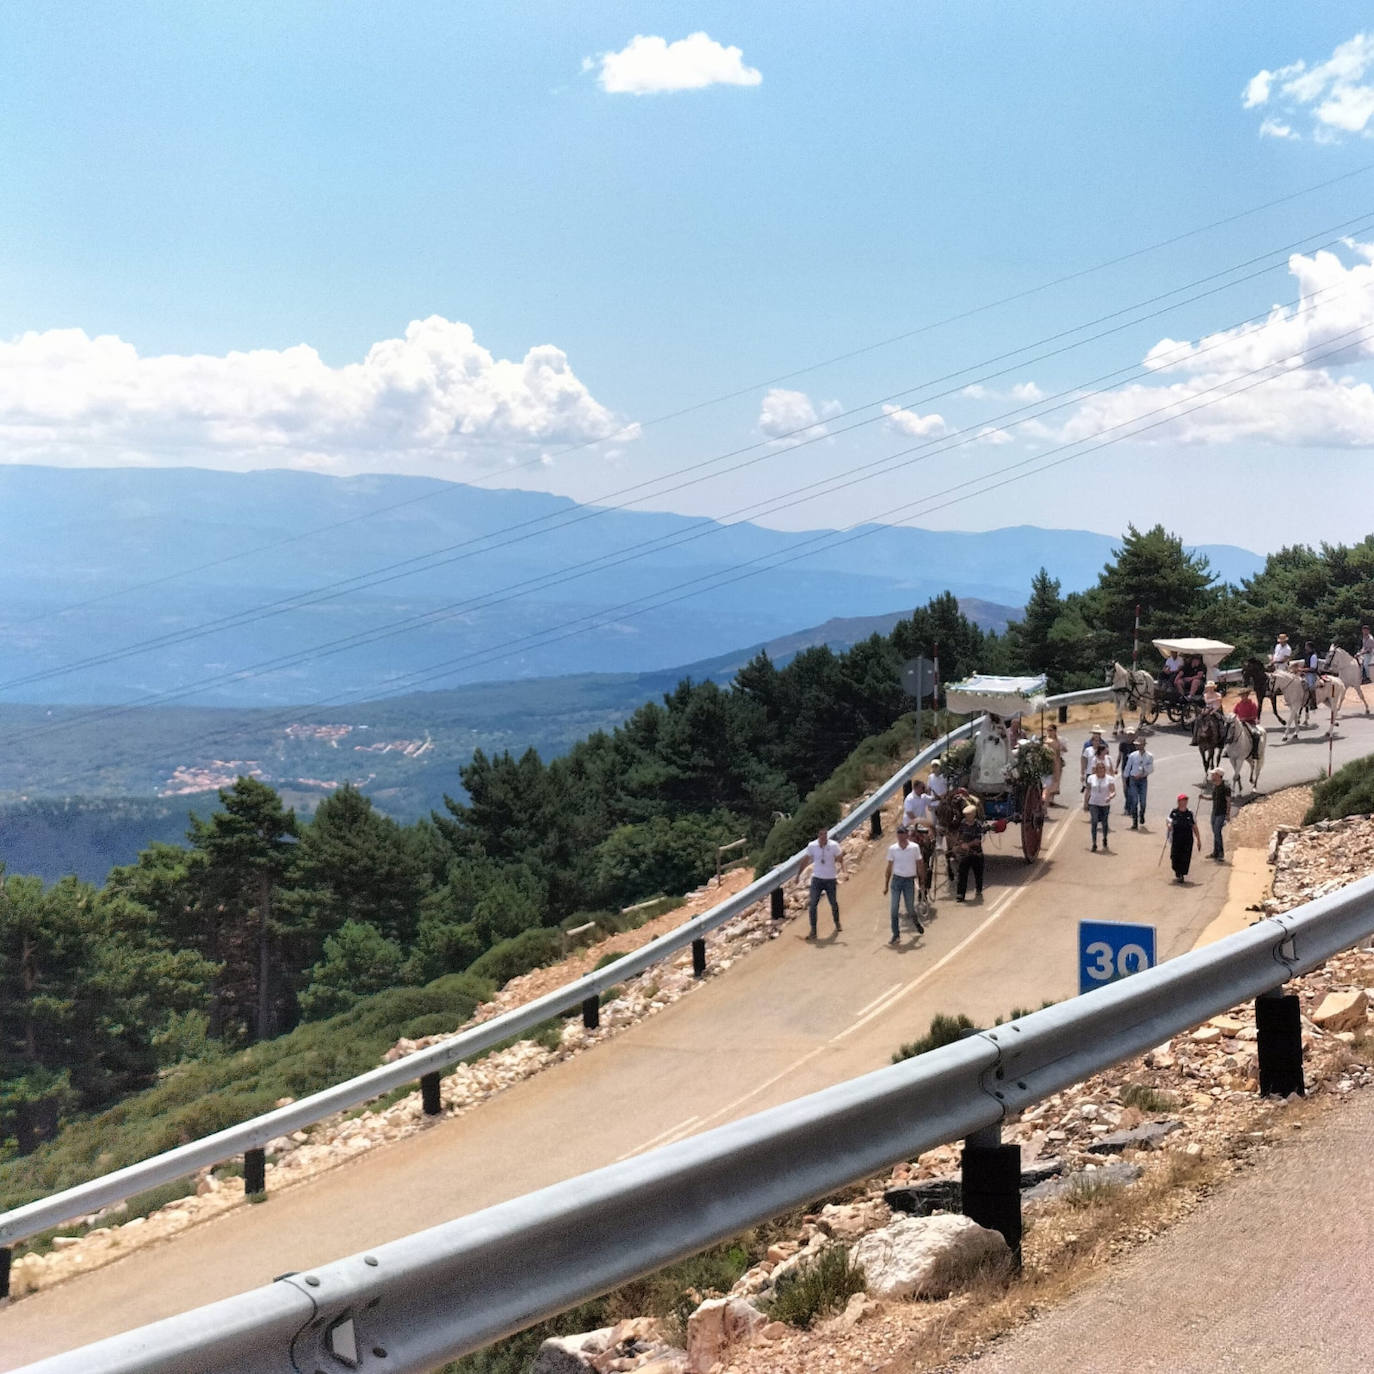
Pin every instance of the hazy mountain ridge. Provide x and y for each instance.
(74, 538)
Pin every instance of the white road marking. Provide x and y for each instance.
(877, 999)
(662, 1138)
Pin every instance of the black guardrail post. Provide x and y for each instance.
(775, 904)
(6, 1256)
(591, 1012)
(875, 825)
(429, 1093)
(992, 1185)
(1278, 1019)
(255, 1173)
(1063, 715)
(699, 957)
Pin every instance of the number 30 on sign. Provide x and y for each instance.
(1108, 950)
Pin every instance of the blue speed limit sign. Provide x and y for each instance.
(1108, 950)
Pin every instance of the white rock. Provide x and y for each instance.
(718, 1325)
(570, 1354)
(926, 1256)
(1342, 1011)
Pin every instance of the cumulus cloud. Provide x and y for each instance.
(917, 426)
(649, 65)
(435, 392)
(1021, 391)
(1305, 400)
(791, 417)
(1333, 94)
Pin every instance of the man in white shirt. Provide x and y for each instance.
(1283, 651)
(938, 784)
(917, 805)
(1366, 653)
(904, 866)
(825, 859)
(1173, 666)
(1136, 771)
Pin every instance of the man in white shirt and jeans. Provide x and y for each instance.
(904, 866)
(825, 859)
(1136, 770)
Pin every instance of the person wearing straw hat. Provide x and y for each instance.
(1283, 651)
(1182, 836)
(968, 846)
(1089, 755)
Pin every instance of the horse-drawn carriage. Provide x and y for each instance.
(1182, 703)
(1000, 769)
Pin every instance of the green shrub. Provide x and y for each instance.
(944, 1030)
(811, 1290)
(1348, 792)
(530, 949)
(1146, 1099)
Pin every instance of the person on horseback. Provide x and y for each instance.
(1311, 671)
(1283, 651)
(1366, 654)
(1247, 713)
(1211, 698)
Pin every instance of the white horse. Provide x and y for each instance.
(1240, 746)
(1329, 691)
(1130, 687)
(1346, 667)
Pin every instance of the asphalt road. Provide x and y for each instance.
(789, 1019)
(1272, 1273)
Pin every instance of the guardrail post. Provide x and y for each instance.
(875, 825)
(1063, 715)
(6, 1255)
(1278, 1019)
(775, 903)
(429, 1093)
(991, 1185)
(591, 1012)
(255, 1173)
(699, 957)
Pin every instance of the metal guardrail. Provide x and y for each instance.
(438, 1294)
(254, 1135)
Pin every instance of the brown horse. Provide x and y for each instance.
(1257, 677)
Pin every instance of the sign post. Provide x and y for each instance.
(918, 678)
(1111, 950)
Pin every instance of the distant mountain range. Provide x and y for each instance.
(279, 588)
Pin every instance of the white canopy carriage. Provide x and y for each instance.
(993, 774)
(1181, 710)
(1210, 651)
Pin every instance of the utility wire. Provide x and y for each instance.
(696, 406)
(1032, 465)
(540, 526)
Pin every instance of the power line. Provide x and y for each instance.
(541, 525)
(696, 406)
(832, 539)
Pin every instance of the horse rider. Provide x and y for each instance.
(1247, 712)
(1283, 652)
(1311, 670)
(1211, 699)
(1366, 654)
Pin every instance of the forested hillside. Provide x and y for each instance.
(264, 920)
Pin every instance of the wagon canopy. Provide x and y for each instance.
(1211, 651)
(1000, 696)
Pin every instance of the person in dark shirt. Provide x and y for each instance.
(1221, 811)
(1182, 836)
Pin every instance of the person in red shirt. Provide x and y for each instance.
(1247, 712)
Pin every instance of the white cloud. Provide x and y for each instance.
(989, 434)
(916, 426)
(649, 65)
(1332, 93)
(791, 417)
(1021, 391)
(436, 392)
(1306, 401)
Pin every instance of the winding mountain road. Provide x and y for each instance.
(791, 1018)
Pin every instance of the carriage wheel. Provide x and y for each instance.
(1177, 709)
(1032, 820)
(1151, 713)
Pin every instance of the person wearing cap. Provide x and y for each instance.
(1283, 651)
(968, 846)
(1182, 835)
(1101, 791)
(904, 866)
(1221, 812)
(1136, 771)
(937, 784)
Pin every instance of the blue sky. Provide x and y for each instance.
(459, 240)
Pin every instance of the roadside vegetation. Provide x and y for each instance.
(1347, 792)
(263, 923)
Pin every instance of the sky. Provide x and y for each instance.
(958, 266)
